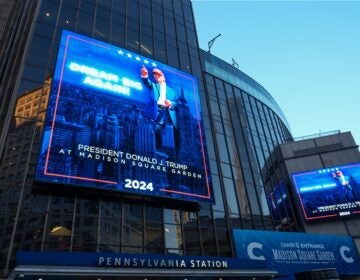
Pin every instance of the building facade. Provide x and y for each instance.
(330, 153)
(243, 125)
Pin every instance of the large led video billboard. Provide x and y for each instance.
(120, 121)
(329, 192)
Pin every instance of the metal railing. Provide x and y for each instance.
(320, 134)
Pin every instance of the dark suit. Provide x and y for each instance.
(160, 114)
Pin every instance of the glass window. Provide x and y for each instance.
(26, 85)
(146, 46)
(133, 9)
(208, 242)
(255, 208)
(119, 19)
(159, 36)
(44, 30)
(184, 61)
(210, 88)
(220, 219)
(173, 236)
(133, 211)
(133, 233)
(170, 41)
(214, 107)
(110, 233)
(87, 7)
(62, 205)
(102, 29)
(172, 216)
(132, 41)
(134, 25)
(195, 66)
(159, 51)
(213, 166)
(85, 234)
(168, 6)
(145, 3)
(145, 16)
(205, 216)
(85, 24)
(189, 218)
(169, 26)
(158, 21)
(58, 232)
(192, 241)
(71, 3)
(103, 13)
(117, 34)
(145, 30)
(119, 6)
(67, 18)
(178, 9)
(219, 202)
(153, 214)
(231, 196)
(223, 238)
(226, 170)
(221, 144)
(39, 50)
(234, 156)
(154, 239)
(87, 206)
(48, 12)
(210, 145)
(111, 209)
(172, 57)
(180, 31)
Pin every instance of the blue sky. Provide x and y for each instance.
(305, 53)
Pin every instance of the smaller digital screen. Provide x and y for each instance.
(279, 202)
(329, 192)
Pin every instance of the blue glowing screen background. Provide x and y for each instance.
(329, 192)
(279, 202)
(111, 126)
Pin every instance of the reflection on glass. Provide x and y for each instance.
(154, 239)
(173, 236)
(172, 216)
(60, 231)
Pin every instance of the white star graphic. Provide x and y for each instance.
(129, 55)
(146, 61)
(153, 64)
(120, 52)
(138, 58)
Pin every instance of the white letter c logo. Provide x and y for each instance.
(250, 251)
(344, 249)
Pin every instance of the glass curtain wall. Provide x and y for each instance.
(246, 126)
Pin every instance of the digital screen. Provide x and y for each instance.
(279, 202)
(329, 192)
(120, 121)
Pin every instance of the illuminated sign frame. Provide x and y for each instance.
(169, 160)
(328, 192)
